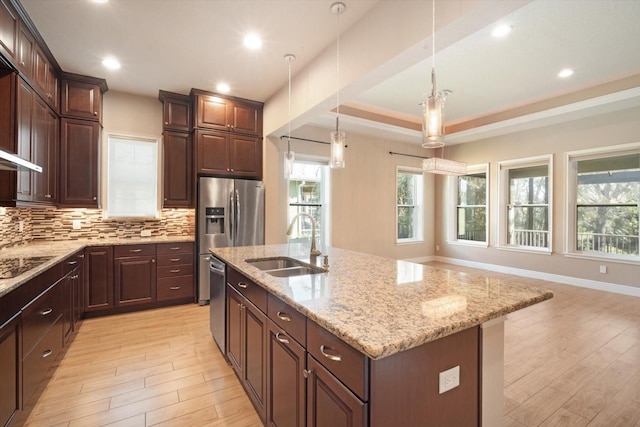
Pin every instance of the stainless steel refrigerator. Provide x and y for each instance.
(230, 213)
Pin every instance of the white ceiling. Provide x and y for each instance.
(175, 45)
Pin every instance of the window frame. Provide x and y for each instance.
(323, 239)
(419, 213)
(571, 163)
(157, 140)
(503, 169)
(453, 206)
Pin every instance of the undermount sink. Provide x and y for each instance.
(284, 266)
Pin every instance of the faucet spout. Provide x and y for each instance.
(313, 252)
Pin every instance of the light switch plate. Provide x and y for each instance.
(77, 224)
(449, 379)
(145, 233)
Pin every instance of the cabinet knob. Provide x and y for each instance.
(166, 123)
(153, 260)
(307, 373)
(22, 63)
(231, 170)
(95, 198)
(95, 113)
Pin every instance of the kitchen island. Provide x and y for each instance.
(427, 340)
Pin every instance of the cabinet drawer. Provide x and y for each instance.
(254, 293)
(174, 288)
(36, 364)
(174, 259)
(175, 248)
(133, 250)
(346, 363)
(287, 318)
(40, 315)
(175, 270)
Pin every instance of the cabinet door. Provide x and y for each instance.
(25, 123)
(246, 118)
(51, 91)
(212, 153)
(79, 143)
(329, 402)
(40, 69)
(9, 378)
(135, 280)
(286, 392)
(245, 156)
(235, 305)
(178, 176)
(255, 361)
(81, 100)
(44, 142)
(98, 291)
(213, 112)
(24, 56)
(78, 291)
(67, 286)
(8, 30)
(176, 114)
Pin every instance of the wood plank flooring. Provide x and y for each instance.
(571, 361)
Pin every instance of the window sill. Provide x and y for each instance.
(409, 242)
(468, 243)
(608, 258)
(524, 249)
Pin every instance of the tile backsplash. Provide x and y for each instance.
(23, 225)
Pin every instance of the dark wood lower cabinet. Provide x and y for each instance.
(135, 280)
(98, 290)
(286, 364)
(10, 372)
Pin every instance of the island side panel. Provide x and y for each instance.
(405, 386)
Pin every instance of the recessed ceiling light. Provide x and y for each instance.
(111, 63)
(223, 88)
(100, 1)
(501, 31)
(567, 72)
(253, 41)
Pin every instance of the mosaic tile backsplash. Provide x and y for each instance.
(23, 225)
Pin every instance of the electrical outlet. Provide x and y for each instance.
(603, 269)
(145, 233)
(77, 224)
(21, 226)
(449, 379)
(437, 247)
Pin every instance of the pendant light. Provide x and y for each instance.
(433, 118)
(338, 137)
(289, 156)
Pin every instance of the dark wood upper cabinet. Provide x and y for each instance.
(8, 29)
(228, 154)
(178, 170)
(79, 144)
(25, 112)
(82, 100)
(24, 53)
(45, 152)
(228, 113)
(176, 111)
(45, 78)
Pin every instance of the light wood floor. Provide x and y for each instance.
(571, 361)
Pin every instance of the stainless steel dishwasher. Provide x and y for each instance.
(217, 304)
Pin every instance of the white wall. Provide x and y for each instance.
(132, 114)
(606, 130)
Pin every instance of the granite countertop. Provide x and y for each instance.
(60, 249)
(381, 306)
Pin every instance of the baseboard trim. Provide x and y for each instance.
(566, 280)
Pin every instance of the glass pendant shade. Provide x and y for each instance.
(433, 122)
(443, 166)
(289, 158)
(338, 139)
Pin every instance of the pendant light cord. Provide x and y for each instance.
(433, 48)
(338, 75)
(289, 126)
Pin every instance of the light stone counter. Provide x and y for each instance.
(382, 306)
(61, 249)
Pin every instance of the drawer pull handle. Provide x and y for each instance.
(174, 259)
(242, 285)
(282, 338)
(175, 248)
(174, 271)
(72, 262)
(174, 288)
(46, 353)
(334, 357)
(283, 316)
(46, 311)
(135, 250)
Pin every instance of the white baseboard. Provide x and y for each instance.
(567, 280)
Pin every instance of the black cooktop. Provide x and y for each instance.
(13, 267)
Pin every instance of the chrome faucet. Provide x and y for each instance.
(313, 252)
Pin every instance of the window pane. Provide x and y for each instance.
(406, 189)
(608, 229)
(306, 188)
(405, 222)
(472, 190)
(472, 224)
(528, 226)
(529, 190)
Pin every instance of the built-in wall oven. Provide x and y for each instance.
(217, 303)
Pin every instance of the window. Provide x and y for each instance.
(309, 193)
(606, 196)
(526, 203)
(409, 216)
(132, 176)
(470, 198)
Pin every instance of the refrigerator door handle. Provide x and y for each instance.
(237, 212)
(231, 216)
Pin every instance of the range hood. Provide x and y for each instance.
(12, 162)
